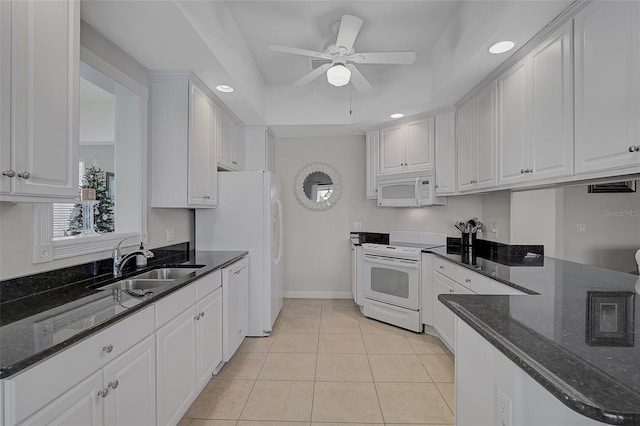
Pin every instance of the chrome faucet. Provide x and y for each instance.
(119, 261)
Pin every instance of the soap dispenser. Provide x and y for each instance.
(141, 260)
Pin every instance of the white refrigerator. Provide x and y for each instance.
(249, 217)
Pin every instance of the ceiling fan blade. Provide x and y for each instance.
(296, 51)
(358, 80)
(312, 75)
(349, 29)
(383, 58)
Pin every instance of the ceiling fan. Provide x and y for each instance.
(341, 58)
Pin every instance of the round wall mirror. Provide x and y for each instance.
(318, 186)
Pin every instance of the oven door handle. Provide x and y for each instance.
(391, 262)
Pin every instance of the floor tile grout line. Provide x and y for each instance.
(445, 400)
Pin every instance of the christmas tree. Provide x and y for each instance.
(94, 178)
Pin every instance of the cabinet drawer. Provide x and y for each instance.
(207, 284)
(25, 393)
(473, 281)
(447, 269)
(172, 305)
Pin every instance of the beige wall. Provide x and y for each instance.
(496, 216)
(16, 220)
(317, 253)
(534, 218)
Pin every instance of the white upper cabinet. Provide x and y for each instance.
(445, 153)
(184, 135)
(607, 57)
(406, 148)
(476, 133)
(39, 146)
(372, 145)
(535, 133)
(391, 153)
(203, 129)
(231, 143)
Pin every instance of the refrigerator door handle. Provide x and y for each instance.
(279, 207)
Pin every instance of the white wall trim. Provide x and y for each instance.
(318, 295)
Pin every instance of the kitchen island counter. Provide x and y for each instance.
(575, 335)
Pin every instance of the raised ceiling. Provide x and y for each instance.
(226, 43)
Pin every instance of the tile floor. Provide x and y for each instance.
(327, 364)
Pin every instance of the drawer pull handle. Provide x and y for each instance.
(467, 280)
(103, 393)
(113, 385)
(107, 349)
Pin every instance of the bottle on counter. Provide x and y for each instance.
(141, 260)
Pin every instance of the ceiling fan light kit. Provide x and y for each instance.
(338, 75)
(341, 58)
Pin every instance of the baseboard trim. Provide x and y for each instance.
(318, 295)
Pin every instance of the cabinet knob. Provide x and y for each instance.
(450, 291)
(103, 393)
(9, 173)
(632, 148)
(107, 349)
(24, 175)
(530, 170)
(234, 162)
(522, 171)
(197, 317)
(467, 280)
(441, 267)
(201, 314)
(113, 385)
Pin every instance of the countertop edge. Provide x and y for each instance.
(511, 352)
(17, 367)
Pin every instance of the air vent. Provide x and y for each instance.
(625, 186)
(315, 63)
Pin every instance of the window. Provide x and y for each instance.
(112, 152)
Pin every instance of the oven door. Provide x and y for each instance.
(391, 280)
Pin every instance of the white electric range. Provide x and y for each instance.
(392, 277)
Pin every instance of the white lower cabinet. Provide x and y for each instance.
(209, 337)
(443, 317)
(122, 393)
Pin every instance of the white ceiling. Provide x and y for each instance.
(226, 43)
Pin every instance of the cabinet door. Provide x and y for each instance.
(372, 145)
(551, 111)
(131, 380)
(445, 146)
(486, 141)
(225, 144)
(5, 98)
(79, 406)
(443, 318)
(513, 131)
(606, 111)
(45, 85)
(391, 150)
(238, 146)
(419, 145)
(176, 367)
(209, 336)
(201, 148)
(465, 134)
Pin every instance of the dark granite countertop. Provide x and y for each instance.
(559, 336)
(35, 326)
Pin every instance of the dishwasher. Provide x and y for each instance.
(235, 306)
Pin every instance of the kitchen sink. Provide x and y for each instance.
(136, 284)
(166, 273)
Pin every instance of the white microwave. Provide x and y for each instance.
(410, 191)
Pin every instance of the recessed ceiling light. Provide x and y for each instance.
(501, 47)
(224, 88)
(397, 115)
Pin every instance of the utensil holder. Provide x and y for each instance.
(468, 240)
(88, 227)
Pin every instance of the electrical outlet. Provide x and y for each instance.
(171, 234)
(357, 226)
(503, 409)
(581, 227)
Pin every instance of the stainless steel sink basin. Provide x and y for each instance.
(136, 284)
(166, 273)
